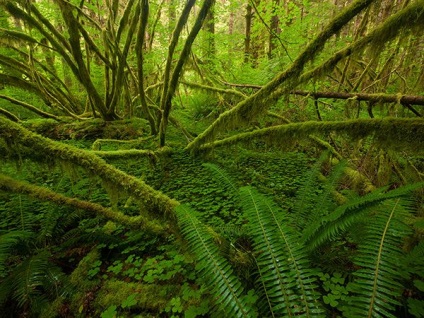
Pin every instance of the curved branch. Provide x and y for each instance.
(30, 108)
(9, 115)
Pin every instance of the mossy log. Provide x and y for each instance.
(395, 133)
(9, 184)
(155, 202)
(132, 153)
(383, 98)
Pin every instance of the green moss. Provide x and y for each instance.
(393, 133)
(79, 276)
(154, 201)
(149, 297)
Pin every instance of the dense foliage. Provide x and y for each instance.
(242, 158)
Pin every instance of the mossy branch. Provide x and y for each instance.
(382, 98)
(30, 107)
(172, 45)
(12, 185)
(140, 42)
(175, 77)
(154, 201)
(214, 89)
(131, 153)
(390, 132)
(252, 106)
(9, 115)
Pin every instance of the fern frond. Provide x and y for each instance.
(225, 286)
(377, 285)
(345, 215)
(284, 271)
(307, 195)
(28, 278)
(8, 243)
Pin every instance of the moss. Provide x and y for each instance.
(393, 133)
(154, 201)
(53, 309)
(12, 185)
(79, 276)
(149, 297)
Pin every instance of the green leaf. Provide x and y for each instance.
(130, 301)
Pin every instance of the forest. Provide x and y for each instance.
(211, 158)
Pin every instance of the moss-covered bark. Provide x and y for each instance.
(132, 153)
(9, 184)
(9, 115)
(140, 43)
(392, 133)
(155, 202)
(34, 109)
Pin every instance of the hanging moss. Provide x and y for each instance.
(154, 201)
(393, 133)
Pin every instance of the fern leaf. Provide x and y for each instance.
(8, 242)
(345, 215)
(284, 271)
(28, 277)
(377, 285)
(225, 286)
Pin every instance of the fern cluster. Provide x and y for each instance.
(284, 246)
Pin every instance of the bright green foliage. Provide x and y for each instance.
(284, 274)
(335, 288)
(219, 275)
(377, 284)
(345, 215)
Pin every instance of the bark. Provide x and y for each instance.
(82, 72)
(248, 32)
(9, 115)
(274, 30)
(172, 45)
(30, 108)
(382, 98)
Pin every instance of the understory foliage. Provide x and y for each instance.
(174, 170)
(282, 251)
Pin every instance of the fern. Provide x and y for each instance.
(345, 215)
(284, 272)
(8, 243)
(307, 196)
(377, 284)
(224, 285)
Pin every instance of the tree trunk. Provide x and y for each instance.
(248, 33)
